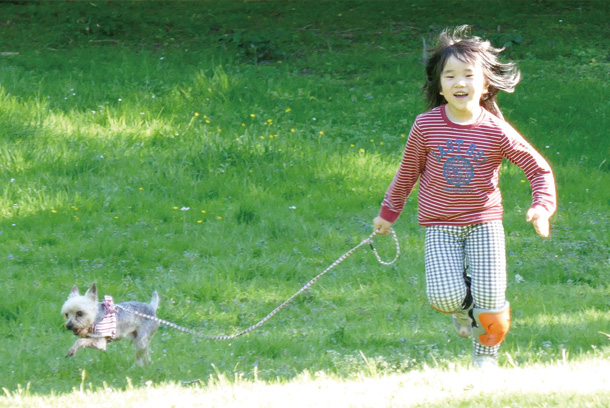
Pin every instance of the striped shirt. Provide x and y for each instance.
(107, 326)
(458, 168)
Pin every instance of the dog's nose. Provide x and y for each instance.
(69, 326)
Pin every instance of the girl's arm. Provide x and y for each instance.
(411, 166)
(539, 217)
(381, 226)
(540, 175)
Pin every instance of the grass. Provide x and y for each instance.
(557, 385)
(224, 153)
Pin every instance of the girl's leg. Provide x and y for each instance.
(445, 263)
(486, 257)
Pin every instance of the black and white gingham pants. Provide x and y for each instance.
(481, 249)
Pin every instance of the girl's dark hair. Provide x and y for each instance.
(498, 76)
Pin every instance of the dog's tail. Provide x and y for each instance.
(154, 302)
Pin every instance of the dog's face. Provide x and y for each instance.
(80, 311)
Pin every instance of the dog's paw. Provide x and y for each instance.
(71, 352)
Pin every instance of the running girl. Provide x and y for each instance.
(455, 150)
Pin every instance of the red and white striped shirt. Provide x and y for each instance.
(107, 326)
(458, 167)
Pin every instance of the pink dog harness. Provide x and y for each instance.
(107, 326)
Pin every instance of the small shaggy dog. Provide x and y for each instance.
(98, 323)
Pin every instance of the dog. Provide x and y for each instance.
(98, 323)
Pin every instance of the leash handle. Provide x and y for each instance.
(381, 261)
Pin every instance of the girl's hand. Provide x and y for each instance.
(381, 226)
(539, 217)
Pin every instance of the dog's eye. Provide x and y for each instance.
(79, 314)
(66, 315)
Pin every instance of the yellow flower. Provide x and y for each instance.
(252, 115)
(402, 135)
(243, 125)
(141, 188)
(361, 150)
(203, 211)
(288, 110)
(352, 145)
(116, 218)
(54, 211)
(174, 208)
(321, 133)
(196, 113)
(292, 130)
(381, 143)
(262, 137)
(219, 218)
(199, 221)
(207, 121)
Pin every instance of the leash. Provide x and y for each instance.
(309, 284)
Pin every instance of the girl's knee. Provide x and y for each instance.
(446, 305)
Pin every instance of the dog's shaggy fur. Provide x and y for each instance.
(83, 312)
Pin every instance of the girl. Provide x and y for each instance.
(456, 150)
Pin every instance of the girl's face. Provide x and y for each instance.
(463, 85)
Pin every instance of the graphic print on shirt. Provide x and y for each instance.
(458, 170)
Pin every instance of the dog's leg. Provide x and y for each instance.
(142, 357)
(96, 343)
(141, 342)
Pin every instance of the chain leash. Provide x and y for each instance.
(309, 284)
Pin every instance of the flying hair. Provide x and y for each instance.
(460, 44)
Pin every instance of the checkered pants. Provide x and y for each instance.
(480, 249)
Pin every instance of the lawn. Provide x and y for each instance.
(225, 153)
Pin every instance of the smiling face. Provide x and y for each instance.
(462, 85)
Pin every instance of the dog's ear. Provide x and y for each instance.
(73, 292)
(92, 292)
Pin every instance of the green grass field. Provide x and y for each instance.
(225, 153)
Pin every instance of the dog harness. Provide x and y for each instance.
(107, 326)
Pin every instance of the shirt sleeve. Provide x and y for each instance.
(411, 166)
(537, 170)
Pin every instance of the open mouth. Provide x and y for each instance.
(461, 95)
(80, 332)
